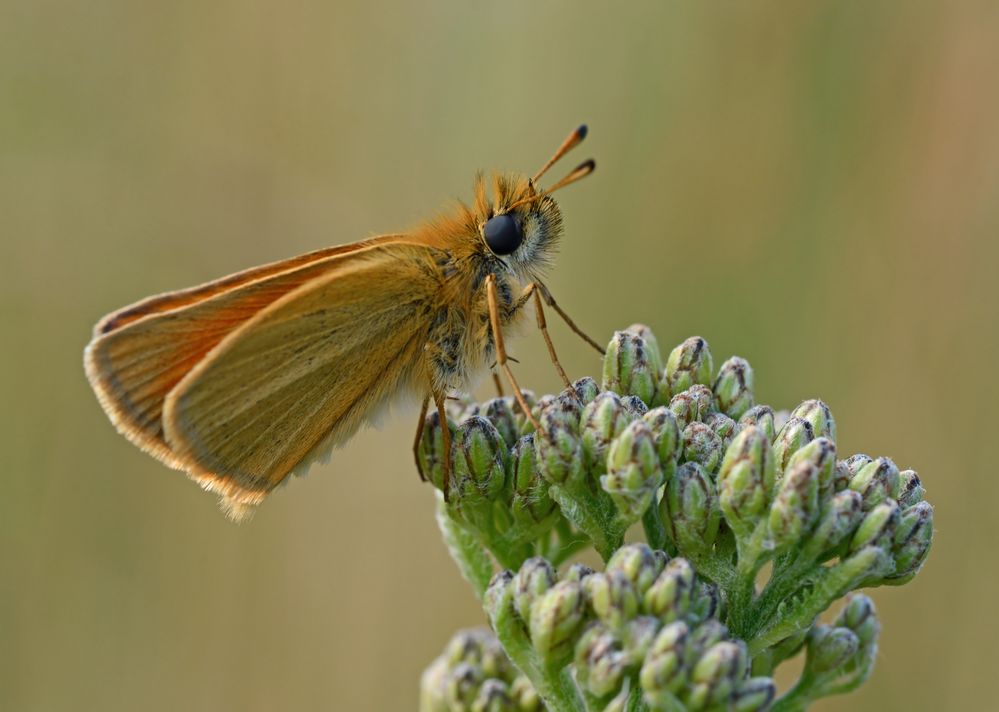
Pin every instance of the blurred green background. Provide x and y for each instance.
(813, 186)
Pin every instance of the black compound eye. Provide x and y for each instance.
(502, 234)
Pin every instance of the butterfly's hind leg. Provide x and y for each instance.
(419, 436)
(533, 290)
(501, 357)
(550, 301)
(446, 444)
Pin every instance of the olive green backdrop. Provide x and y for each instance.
(811, 185)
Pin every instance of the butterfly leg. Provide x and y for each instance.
(532, 290)
(446, 437)
(550, 301)
(498, 383)
(419, 436)
(501, 357)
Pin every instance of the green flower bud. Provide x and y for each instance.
(690, 510)
(819, 416)
(701, 444)
(524, 425)
(734, 387)
(860, 616)
(762, 416)
(586, 388)
(663, 673)
(821, 452)
(463, 685)
(525, 697)
(633, 472)
(577, 573)
(910, 489)
(556, 617)
(876, 481)
(635, 406)
(638, 563)
(796, 506)
(913, 537)
(688, 363)
(479, 463)
(852, 465)
(599, 661)
(717, 675)
(830, 648)
(724, 427)
(651, 344)
(558, 445)
(840, 515)
(499, 412)
(629, 367)
(795, 434)
(703, 637)
(705, 602)
(431, 452)
(612, 596)
(498, 599)
(494, 696)
(691, 405)
(603, 420)
(666, 434)
(637, 637)
(754, 695)
(531, 503)
(877, 528)
(747, 479)
(479, 647)
(841, 476)
(670, 596)
(533, 580)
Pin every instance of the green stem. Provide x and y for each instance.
(655, 530)
(471, 557)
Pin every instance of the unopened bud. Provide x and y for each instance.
(499, 412)
(724, 427)
(635, 406)
(629, 367)
(612, 596)
(586, 389)
(818, 414)
(754, 695)
(795, 434)
(860, 616)
(821, 452)
(666, 434)
(480, 461)
(577, 573)
(663, 673)
(877, 481)
(839, 517)
(531, 502)
(688, 364)
(603, 420)
(651, 344)
(670, 596)
(701, 444)
(638, 563)
(555, 620)
(878, 527)
(734, 387)
(691, 405)
(762, 416)
(796, 506)
(747, 479)
(830, 648)
(494, 696)
(910, 489)
(690, 509)
(431, 452)
(717, 675)
(599, 661)
(533, 580)
(913, 537)
(558, 446)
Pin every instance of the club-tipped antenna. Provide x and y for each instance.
(581, 171)
(571, 141)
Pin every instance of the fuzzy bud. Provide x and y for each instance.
(499, 412)
(531, 503)
(480, 458)
(821, 452)
(819, 416)
(690, 509)
(796, 506)
(795, 434)
(558, 445)
(840, 515)
(670, 596)
(913, 537)
(691, 405)
(878, 527)
(638, 563)
(666, 433)
(663, 673)
(762, 416)
(688, 364)
(612, 596)
(535, 577)
(876, 481)
(630, 368)
(734, 387)
(431, 452)
(746, 480)
(830, 648)
(555, 620)
(717, 675)
(603, 420)
(701, 444)
(910, 489)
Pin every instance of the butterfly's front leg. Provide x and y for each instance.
(501, 358)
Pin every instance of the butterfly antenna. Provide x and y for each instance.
(571, 141)
(581, 171)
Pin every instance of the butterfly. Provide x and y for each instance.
(245, 380)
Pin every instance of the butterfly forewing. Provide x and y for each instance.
(303, 373)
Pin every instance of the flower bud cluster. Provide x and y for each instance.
(474, 674)
(721, 485)
(647, 623)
